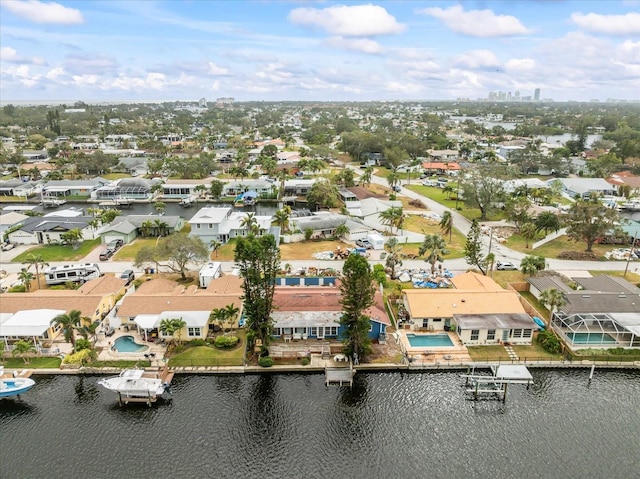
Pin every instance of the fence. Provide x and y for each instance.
(205, 362)
(584, 361)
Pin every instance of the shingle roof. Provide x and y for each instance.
(543, 283)
(607, 283)
(14, 302)
(598, 302)
(494, 321)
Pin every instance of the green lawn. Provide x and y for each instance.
(440, 196)
(115, 176)
(59, 252)
(488, 353)
(34, 363)
(540, 308)
(555, 247)
(535, 352)
(119, 364)
(210, 356)
(420, 224)
(129, 251)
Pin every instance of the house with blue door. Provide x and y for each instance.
(313, 312)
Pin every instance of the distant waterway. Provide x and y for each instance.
(390, 425)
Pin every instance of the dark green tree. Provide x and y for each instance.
(473, 248)
(590, 221)
(358, 290)
(181, 249)
(258, 259)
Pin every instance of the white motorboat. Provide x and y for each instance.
(137, 385)
(631, 206)
(14, 384)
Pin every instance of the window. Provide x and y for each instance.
(370, 327)
(526, 333)
(331, 331)
(425, 323)
(516, 333)
(314, 330)
(475, 333)
(436, 320)
(210, 226)
(277, 332)
(194, 332)
(491, 334)
(197, 226)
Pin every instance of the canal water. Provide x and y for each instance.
(390, 425)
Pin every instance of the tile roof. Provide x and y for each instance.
(228, 284)
(444, 303)
(135, 304)
(475, 282)
(157, 286)
(14, 302)
(106, 284)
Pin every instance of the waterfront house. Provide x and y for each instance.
(48, 230)
(440, 168)
(584, 187)
(603, 312)
(17, 187)
(126, 188)
(298, 186)
(30, 325)
(314, 312)
(261, 187)
(177, 189)
(60, 188)
(160, 299)
(10, 219)
(223, 223)
(477, 308)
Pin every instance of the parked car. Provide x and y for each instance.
(429, 183)
(106, 254)
(397, 188)
(505, 266)
(129, 275)
(8, 246)
(364, 243)
(115, 245)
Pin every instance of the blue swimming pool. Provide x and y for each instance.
(126, 344)
(593, 338)
(429, 340)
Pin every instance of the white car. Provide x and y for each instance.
(429, 183)
(505, 266)
(7, 246)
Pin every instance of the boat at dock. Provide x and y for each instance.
(15, 384)
(117, 203)
(631, 206)
(188, 201)
(139, 386)
(52, 202)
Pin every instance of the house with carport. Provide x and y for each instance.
(48, 229)
(476, 308)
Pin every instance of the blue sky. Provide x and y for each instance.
(318, 50)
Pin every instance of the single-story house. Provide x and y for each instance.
(583, 187)
(297, 186)
(182, 188)
(17, 187)
(314, 312)
(48, 230)
(223, 223)
(490, 314)
(161, 299)
(10, 219)
(73, 187)
(440, 168)
(602, 313)
(235, 188)
(325, 223)
(134, 165)
(128, 188)
(127, 228)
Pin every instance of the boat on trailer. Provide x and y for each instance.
(139, 386)
(15, 384)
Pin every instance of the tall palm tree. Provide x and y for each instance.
(230, 312)
(341, 231)
(146, 228)
(446, 224)
(365, 178)
(249, 222)
(215, 246)
(489, 261)
(393, 255)
(69, 322)
(528, 232)
(25, 276)
(37, 262)
(553, 299)
(281, 219)
(391, 217)
(160, 227)
(218, 315)
(437, 248)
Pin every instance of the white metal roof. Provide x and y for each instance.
(194, 319)
(29, 322)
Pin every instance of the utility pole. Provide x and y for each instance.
(633, 244)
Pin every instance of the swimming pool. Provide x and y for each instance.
(126, 344)
(429, 340)
(593, 338)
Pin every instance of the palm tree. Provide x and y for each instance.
(553, 299)
(69, 322)
(230, 312)
(160, 227)
(249, 222)
(73, 237)
(215, 246)
(393, 178)
(281, 218)
(437, 248)
(547, 221)
(489, 261)
(393, 255)
(341, 231)
(25, 276)
(448, 189)
(392, 217)
(531, 264)
(146, 228)
(159, 206)
(37, 262)
(173, 327)
(365, 178)
(218, 315)
(446, 224)
(21, 348)
(528, 232)
(179, 325)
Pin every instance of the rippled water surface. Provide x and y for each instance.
(292, 426)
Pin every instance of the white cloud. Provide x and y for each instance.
(55, 73)
(10, 55)
(41, 12)
(628, 24)
(357, 44)
(217, 70)
(629, 51)
(477, 23)
(348, 21)
(520, 64)
(477, 59)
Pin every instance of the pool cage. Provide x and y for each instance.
(593, 330)
(129, 192)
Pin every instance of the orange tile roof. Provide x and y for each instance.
(135, 304)
(157, 286)
(475, 282)
(444, 303)
(228, 284)
(14, 302)
(107, 284)
(432, 165)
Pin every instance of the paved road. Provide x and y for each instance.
(502, 252)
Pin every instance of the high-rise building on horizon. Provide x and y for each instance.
(536, 94)
(202, 103)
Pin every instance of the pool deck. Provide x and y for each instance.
(457, 353)
(107, 354)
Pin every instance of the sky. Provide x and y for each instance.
(309, 50)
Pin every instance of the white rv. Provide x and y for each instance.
(71, 272)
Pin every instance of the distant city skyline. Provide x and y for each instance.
(318, 51)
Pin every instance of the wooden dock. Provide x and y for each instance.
(339, 374)
(496, 385)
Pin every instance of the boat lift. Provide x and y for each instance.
(497, 383)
